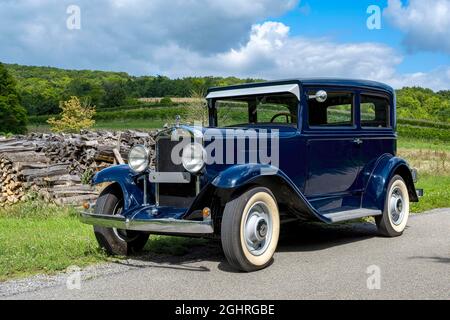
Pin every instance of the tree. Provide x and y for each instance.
(74, 116)
(115, 94)
(13, 117)
(85, 89)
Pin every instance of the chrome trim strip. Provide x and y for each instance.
(226, 93)
(156, 194)
(197, 185)
(170, 226)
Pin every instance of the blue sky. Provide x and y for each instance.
(345, 20)
(246, 38)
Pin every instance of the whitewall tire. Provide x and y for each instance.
(250, 229)
(395, 215)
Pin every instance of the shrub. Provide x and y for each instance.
(424, 123)
(74, 116)
(166, 101)
(425, 133)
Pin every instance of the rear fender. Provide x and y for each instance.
(376, 189)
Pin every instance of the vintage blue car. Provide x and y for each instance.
(308, 149)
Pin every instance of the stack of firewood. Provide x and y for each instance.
(58, 167)
(15, 155)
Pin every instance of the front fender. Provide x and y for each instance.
(126, 179)
(283, 188)
(237, 176)
(376, 189)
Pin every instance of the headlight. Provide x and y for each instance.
(138, 158)
(193, 157)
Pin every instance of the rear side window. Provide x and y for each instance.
(374, 111)
(336, 111)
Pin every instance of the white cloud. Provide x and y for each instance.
(437, 79)
(426, 24)
(271, 53)
(129, 29)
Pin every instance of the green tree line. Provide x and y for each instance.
(39, 91)
(42, 88)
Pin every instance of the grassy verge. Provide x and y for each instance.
(36, 237)
(42, 238)
(437, 193)
(432, 160)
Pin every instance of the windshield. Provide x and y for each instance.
(279, 109)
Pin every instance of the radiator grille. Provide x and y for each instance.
(172, 194)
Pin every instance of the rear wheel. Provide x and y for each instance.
(250, 229)
(396, 209)
(116, 241)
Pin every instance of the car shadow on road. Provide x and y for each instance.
(434, 259)
(318, 236)
(294, 237)
(209, 251)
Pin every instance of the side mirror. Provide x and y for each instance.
(320, 96)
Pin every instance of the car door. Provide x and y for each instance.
(329, 128)
(376, 130)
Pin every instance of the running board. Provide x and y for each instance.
(351, 214)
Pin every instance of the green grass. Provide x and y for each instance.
(412, 143)
(41, 238)
(437, 193)
(36, 237)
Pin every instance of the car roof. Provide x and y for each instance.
(356, 83)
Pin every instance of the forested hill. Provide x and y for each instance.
(41, 89)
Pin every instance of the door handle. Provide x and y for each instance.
(357, 141)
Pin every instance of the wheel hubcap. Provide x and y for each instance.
(258, 229)
(396, 204)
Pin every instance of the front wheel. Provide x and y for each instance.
(396, 209)
(250, 229)
(116, 241)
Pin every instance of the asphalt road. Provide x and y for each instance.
(312, 262)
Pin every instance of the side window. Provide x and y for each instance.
(374, 111)
(336, 111)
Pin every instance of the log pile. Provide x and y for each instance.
(58, 167)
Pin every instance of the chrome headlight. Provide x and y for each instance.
(138, 158)
(193, 157)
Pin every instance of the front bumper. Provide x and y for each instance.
(162, 226)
